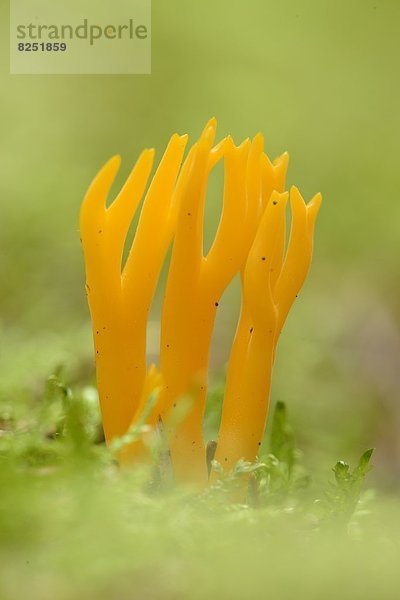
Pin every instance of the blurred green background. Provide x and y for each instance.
(319, 79)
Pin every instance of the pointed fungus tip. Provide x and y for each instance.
(295, 197)
(111, 167)
(245, 144)
(285, 196)
(265, 161)
(221, 145)
(281, 160)
(229, 142)
(312, 209)
(115, 161)
(176, 137)
(258, 141)
(148, 154)
(211, 125)
(257, 147)
(317, 198)
(294, 190)
(208, 135)
(279, 197)
(316, 201)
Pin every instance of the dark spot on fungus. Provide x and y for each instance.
(263, 258)
(100, 231)
(189, 214)
(97, 333)
(226, 460)
(174, 404)
(193, 443)
(251, 329)
(216, 304)
(259, 443)
(274, 202)
(167, 345)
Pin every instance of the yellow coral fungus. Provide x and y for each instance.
(120, 301)
(267, 298)
(250, 239)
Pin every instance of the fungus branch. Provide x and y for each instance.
(266, 301)
(119, 304)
